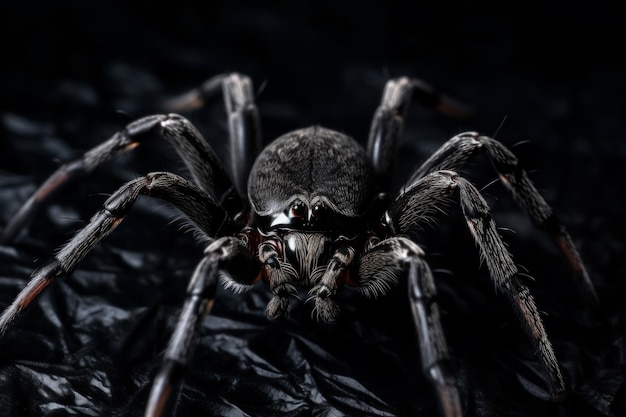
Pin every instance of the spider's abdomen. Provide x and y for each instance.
(314, 167)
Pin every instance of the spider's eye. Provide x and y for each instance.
(319, 210)
(298, 209)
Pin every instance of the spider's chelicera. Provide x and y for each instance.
(311, 210)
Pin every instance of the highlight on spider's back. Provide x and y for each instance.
(312, 210)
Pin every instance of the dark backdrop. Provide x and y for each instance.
(546, 80)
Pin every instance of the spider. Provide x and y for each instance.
(312, 210)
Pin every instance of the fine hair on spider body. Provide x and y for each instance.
(312, 210)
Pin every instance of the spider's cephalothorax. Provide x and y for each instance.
(312, 210)
(309, 211)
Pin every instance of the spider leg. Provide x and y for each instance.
(243, 119)
(379, 268)
(388, 121)
(199, 301)
(338, 266)
(455, 153)
(431, 194)
(226, 255)
(202, 162)
(196, 204)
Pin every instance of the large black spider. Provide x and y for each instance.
(311, 210)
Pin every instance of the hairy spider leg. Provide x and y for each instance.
(389, 118)
(196, 204)
(244, 124)
(198, 303)
(430, 194)
(387, 126)
(382, 264)
(279, 275)
(227, 255)
(454, 154)
(336, 271)
(203, 164)
(434, 349)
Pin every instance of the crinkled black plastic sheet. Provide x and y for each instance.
(91, 344)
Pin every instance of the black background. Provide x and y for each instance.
(545, 79)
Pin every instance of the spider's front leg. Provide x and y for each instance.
(196, 204)
(380, 267)
(227, 255)
(427, 197)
